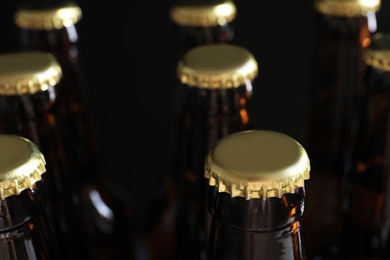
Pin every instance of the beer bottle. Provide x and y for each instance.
(331, 123)
(51, 26)
(257, 196)
(365, 226)
(198, 22)
(28, 86)
(25, 230)
(214, 98)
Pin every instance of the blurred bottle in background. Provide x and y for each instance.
(199, 22)
(26, 229)
(52, 26)
(366, 223)
(213, 100)
(257, 196)
(332, 123)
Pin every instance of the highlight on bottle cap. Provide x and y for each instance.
(198, 14)
(28, 72)
(219, 65)
(60, 15)
(377, 54)
(21, 165)
(257, 164)
(347, 8)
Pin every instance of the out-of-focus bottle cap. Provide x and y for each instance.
(51, 17)
(21, 165)
(257, 164)
(347, 8)
(219, 65)
(377, 54)
(198, 14)
(28, 72)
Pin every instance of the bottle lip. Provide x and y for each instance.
(217, 66)
(347, 8)
(48, 18)
(21, 165)
(28, 72)
(257, 164)
(203, 15)
(377, 53)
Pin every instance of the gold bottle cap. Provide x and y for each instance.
(203, 15)
(217, 66)
(56, 17)
(21, 165)
(28, 72)
(257, 164)
(377, 54)
(347, 8)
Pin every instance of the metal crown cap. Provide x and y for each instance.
(257, 164)
(219, 65)
(21, 165)
(203, 15)
(28, 72)
(347, 8)
(377, 54)
(48, 18)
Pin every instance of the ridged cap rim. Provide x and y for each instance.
(203, 15)
(217, 66)
(347, 8)
(48, 19)
(28, 72)
(257, 164)
(377, 54)
(21, 165)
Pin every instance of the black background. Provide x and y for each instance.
(128, 51)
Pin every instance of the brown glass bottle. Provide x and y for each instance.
(51, 25)
(257, 196)
(199, 22)
(365, 226)
(29, 81)
(25, 230)
(213, 100)
(332, 121)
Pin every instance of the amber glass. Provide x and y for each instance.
(365, 224)
(204, 117)
(32, 117)
(331, 124)
(108, 236)
(26, 232)
(255, 229)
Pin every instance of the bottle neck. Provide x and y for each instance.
(258, 229)
(263, 215)
(16, 210)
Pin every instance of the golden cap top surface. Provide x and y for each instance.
(217, 66)
(28, 72)
(347, 8)
(55, 17)
(257, 164)
(203, 15)
(21, 165)
(377, 54)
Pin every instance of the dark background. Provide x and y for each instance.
(128, 51)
